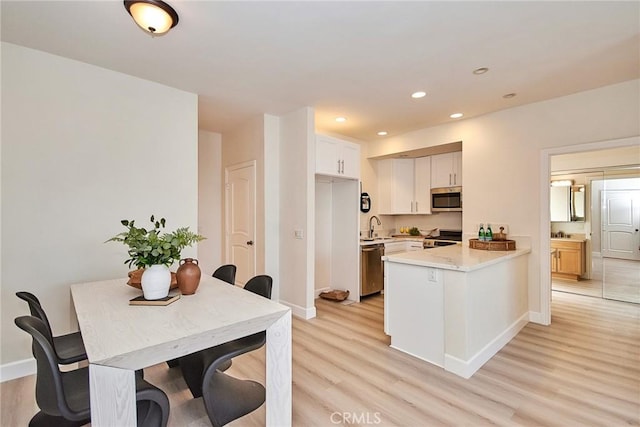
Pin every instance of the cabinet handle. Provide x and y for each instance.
(338, 166)
(455, 179)
(342, 161)
(449, 179)
(416, 207)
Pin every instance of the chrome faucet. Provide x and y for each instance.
(371, 225)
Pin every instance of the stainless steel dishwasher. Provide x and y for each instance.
(372, 269)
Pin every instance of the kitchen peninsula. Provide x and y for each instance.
(454, 306)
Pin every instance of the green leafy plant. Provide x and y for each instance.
(151, 247)
(413, 231)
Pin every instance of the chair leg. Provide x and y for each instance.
(193, 367)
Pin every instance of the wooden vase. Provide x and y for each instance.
(188, 276)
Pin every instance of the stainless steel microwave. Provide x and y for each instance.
(447, 199)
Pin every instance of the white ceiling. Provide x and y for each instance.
(357, 59)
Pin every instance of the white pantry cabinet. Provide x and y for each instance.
(404, 186)
(335, 157)
(446, 170)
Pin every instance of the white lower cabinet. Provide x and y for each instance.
(414, 311)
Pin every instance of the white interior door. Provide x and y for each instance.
(240, 197)
(620, 224)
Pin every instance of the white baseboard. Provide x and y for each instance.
(466, 368)
(19, 369)
(304, 313)
(536, 317)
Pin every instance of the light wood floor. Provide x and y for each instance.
(582, 370)
(618, 279)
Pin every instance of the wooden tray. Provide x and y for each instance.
(493, 245)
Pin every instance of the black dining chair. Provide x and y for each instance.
(195, 365)
(227, 398)
(69, 348)
(63, 397)
(226, 273)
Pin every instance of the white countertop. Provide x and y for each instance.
(454, 257)
(378, 240)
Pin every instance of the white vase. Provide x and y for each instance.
(156, 281)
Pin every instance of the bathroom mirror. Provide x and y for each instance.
(567, 202)
(577, 200)
(559, 203)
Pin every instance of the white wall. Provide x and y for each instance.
(297, 200)
(600, 159)
(210, 200)
(272, 201)
(501, 156)
(82, 148)
(323, 241)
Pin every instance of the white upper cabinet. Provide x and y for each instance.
(446, 170)
(422, 185)
(404, 186)
(335, 157)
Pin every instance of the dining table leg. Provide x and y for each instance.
(113, 396)
(278, 372)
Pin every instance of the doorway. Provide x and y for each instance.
(632, 144)
(608, 235)
(240, 219)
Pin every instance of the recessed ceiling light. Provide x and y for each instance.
(419, 94)
(341, 119)
(480, 70)
(382, 133)
(509, 95)
(456, 115)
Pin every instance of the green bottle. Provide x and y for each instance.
(489, 234)
(481, 233)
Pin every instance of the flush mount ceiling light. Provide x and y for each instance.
(153, 16)
(341, 119)
(480, 70)
(456, 115)
(509, 95)
(419, 94)
(382, 133)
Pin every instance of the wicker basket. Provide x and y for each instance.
(335, 295)
(493, 245)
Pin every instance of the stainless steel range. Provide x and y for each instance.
(446, 238)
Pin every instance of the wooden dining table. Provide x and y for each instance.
(120, 338)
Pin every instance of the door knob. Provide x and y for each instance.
(250, 243)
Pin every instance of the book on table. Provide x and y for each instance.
(161, 301)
